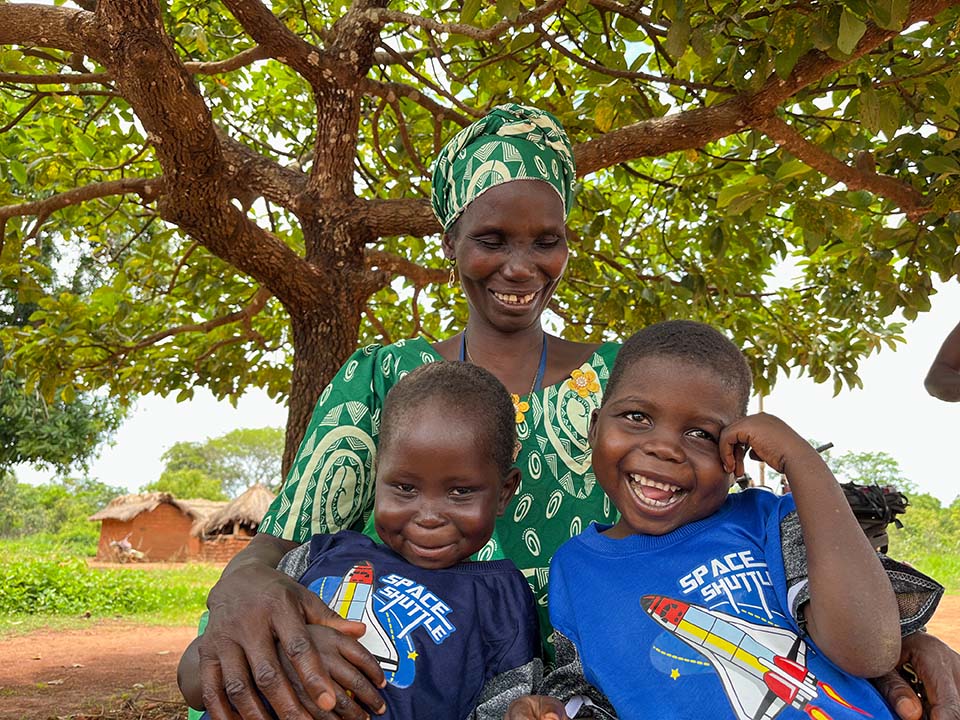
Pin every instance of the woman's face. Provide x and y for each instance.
(511, 250)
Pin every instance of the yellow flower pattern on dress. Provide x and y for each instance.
(520, 406)
(583, 383)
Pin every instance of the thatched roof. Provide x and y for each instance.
(127, 507)
(248, 509)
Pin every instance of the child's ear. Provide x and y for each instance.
(508, 489)
(592, 433)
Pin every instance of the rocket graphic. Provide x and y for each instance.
(762, 668)
(354, 601)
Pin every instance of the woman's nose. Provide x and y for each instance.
(519, 266)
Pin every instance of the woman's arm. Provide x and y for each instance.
(937, 667)
(943, 379)
(254, 609)
(852, 614)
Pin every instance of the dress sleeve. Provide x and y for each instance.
(330, 486)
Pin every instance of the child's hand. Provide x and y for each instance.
(536, 707)
(769, 439)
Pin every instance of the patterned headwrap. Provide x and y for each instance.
(513, 142)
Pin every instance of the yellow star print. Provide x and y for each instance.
(674, 673)
(412, 655)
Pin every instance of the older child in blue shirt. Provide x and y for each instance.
(687, 607)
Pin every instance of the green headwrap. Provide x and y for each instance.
(513, 142)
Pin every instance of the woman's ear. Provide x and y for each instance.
(446, 244)
(508, 489)
(592, 432)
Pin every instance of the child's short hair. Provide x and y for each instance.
(692, 342)
(467, 390)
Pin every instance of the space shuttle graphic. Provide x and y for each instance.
(353, 600)
(762, 668)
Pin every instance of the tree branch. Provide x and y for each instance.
(52, 27)
(147, 188)
(379, 260)
(241, 59)
(399, 217)
(701, 126)
(390, 91)
(907, 197)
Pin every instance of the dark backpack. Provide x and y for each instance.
(875, 507)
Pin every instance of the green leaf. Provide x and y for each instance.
(891, 14)
(851, 30)
(941, 165)
(18, 171)
(870, 109)
(508, 8)
(604, 115)
(469, 10)
(85, 145)
(677, 37)
(791, 169)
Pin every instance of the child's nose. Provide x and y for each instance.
(663, 446)
(429, 515)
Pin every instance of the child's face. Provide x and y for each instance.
(439, 492)
(655, 450)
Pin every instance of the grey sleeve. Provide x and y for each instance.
(917, 594)
(295, 562)
(503, 688)
(568, 683)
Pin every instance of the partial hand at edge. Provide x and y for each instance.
(938, 668)
(536, 707)
(254, 610)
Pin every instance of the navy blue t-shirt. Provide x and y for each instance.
(439, 635)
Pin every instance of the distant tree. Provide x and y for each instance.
(60, 507)
(871, 468)
(190, 483)
(235, 461)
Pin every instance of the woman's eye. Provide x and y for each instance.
(489, 241)
(549, 242)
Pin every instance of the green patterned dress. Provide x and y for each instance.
(330, 486)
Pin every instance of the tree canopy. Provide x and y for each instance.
(250, 180)
(222, 466)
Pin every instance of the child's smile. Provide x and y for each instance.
(655, 449)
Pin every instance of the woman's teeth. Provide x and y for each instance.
(654, 493)
(514, 299)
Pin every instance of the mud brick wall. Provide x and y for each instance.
(163, 534)
(222, 548)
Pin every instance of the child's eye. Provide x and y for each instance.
(462, 491)
(404, 488)
(702, 434)
(637, 417)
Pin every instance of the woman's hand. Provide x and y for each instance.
(536, 707)
(937, 667)
(254, 610)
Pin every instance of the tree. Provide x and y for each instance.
(253, 183)
(226, 465)
(189, 483)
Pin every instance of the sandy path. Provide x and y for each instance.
(47, 674)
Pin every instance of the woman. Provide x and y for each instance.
(502, 189)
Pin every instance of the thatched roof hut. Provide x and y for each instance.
(245, 513)
(127, 507)
(157, 524)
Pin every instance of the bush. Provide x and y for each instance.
(43, 576)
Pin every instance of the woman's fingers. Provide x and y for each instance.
(899, 696)
(211, 681)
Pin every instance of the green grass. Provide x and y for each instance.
(942, 567)
(43, 583)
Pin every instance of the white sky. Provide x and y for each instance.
(892, 413)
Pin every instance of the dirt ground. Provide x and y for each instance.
(121, 671)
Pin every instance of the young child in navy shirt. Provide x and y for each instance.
(448, 633)
(692, 605)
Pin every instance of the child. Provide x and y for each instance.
(687, 607)
(447, 633)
